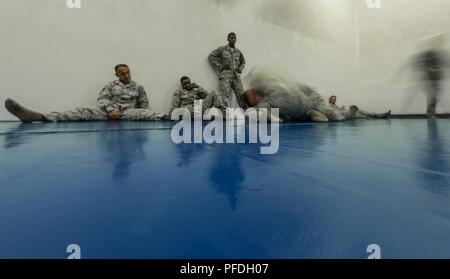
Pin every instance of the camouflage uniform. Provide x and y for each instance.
(355, 113)
(336, 107)
(183, 98)
(361, 114)
(129, 99)
(228, 63)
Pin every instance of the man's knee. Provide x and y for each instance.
(78, 114)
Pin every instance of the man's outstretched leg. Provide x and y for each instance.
(142, 114)
(24, 114)
(376, 115)
(367, 115)
(79, 114)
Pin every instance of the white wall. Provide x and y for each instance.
(388, 37)
(54, 58)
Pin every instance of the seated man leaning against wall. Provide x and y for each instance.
(188, 92)
(353, 112)
(122, 99)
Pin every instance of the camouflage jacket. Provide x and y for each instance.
(119, 96)
(227, 62)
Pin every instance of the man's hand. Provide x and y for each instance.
(114, 115)
(226, 68)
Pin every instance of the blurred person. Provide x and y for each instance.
(295, 101)
(430, 65)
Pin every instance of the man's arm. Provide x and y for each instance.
(241, 62)
(104, 99)
(176, 102)
(201, 92)
(215, 60)
(142, 101)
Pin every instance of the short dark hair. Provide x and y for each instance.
(329, 99)
(120, 65)
(183, 78)
(232, 33)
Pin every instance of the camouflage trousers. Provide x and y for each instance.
(361, 114)
(226, 84)
(95, 114)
